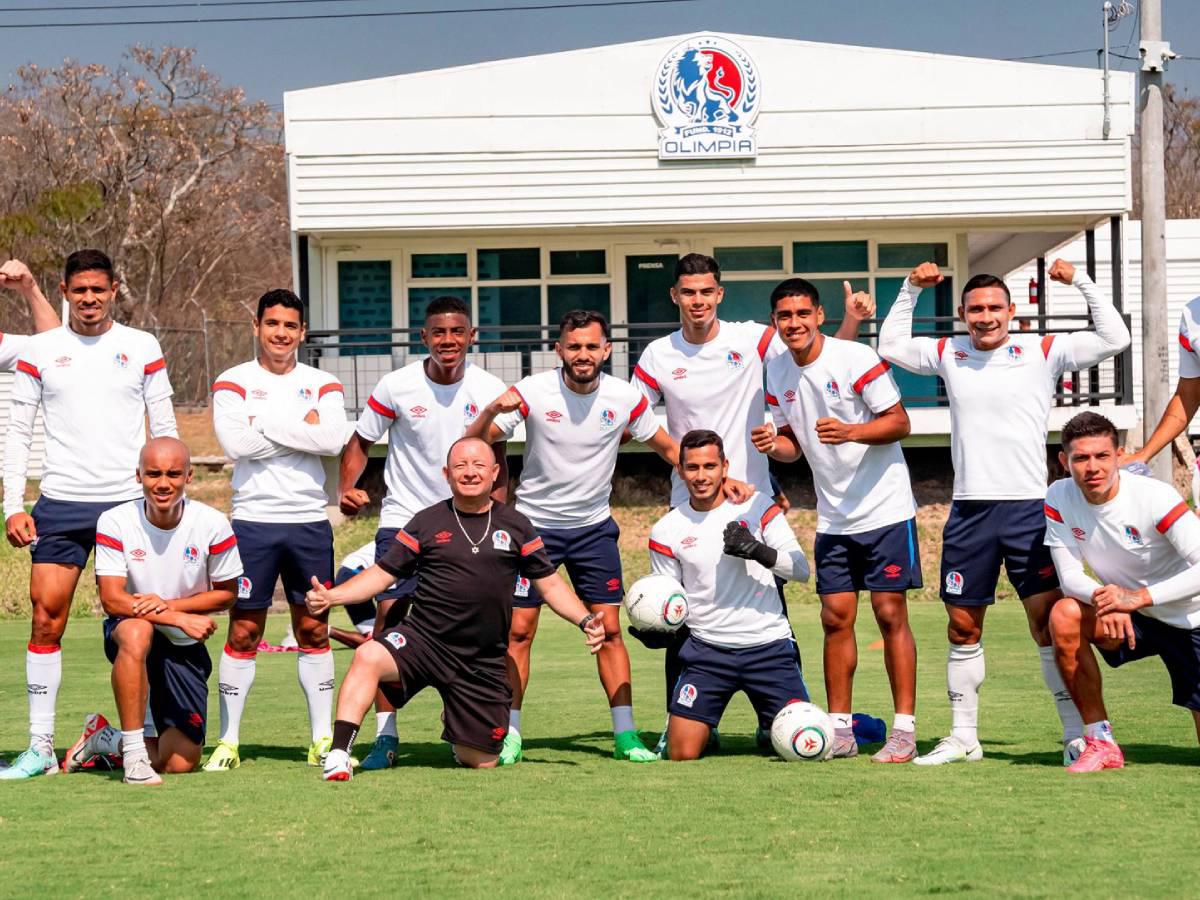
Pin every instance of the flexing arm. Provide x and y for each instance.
(1083, 349)
(896, 342)
(16, 275)
(485, 425)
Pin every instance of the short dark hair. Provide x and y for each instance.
(582, 318)
(87, 261)
(985, 281)
(795, 287)
(447, 304)
(1088, 424)
(700, 437)
(697, 264)
(280, 297)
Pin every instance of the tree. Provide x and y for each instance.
(1181, 144)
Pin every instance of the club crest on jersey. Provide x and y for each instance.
(418, 412)
(470, 412)
(954, 583)
(396, 639)
(1133, 537)
(304, 393)
(734, 360)
(522, 588)
(831, 389)
(1014, 352)
(191, 555)
(121, 361)
(501, 540)
(1080, 534)
(245, 586)
(687, 695)
(608, 418)
(679, 374)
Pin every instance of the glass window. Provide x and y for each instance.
(420, 298)
(508, 306)
(648, 282)
(829, 256)
(578, 262)
(365, 301)
(833, 298)
(909, 256)
(562, 298)
(750, 259)
(439, 265)
(508, 265)
(747, 300)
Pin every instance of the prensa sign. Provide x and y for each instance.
(706, 96)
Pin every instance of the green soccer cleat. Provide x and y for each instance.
(510, 753)
(30, 764)
(318, 751)
(628, 745)
(224, 757)
(383, 753)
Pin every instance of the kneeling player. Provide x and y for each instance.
(468, 554)
(726, 555)
(1143, 543)
(163, 563)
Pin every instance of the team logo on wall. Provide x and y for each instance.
(706, 95)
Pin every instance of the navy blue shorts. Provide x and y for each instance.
(66, 530)
(178, 677)
(401, 589)
(980, 535)
(593, 561)
(1178, 648)
(883, 559)
(769, 674)
(360, 613)
(291, 551)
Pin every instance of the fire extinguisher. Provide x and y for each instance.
(1033, 291)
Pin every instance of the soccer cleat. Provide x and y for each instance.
(762, 739)
(901, 747)
(1098, 755)
(950, 750)
(844, 744)
(337, 766)
(140, 772)
(1073, 749)
(383, 753)
(98, 739)
(289, 643)
(510, 751)
(319, 750)
(30, 764)
(628, 745)
(224, 757)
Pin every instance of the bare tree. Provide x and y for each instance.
(1181, 126)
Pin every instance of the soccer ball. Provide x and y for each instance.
(656, 603)
(802, 731)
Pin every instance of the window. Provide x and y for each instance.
(509, 265)
(750, 259)
(439, 265)
(829, 256)
(507, 306)
(365, 301)
(909, 256)
(562, 298)
(578, 262)
(746, 300)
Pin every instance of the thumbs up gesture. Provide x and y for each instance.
(858, 304)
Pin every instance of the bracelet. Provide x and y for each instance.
(586, 621)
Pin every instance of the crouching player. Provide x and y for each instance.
(726, 555)
(1143, 543)
(468, 555)
(163, 564)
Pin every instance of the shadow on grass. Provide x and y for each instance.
(1135, 754)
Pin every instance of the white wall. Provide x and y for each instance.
(37, 451)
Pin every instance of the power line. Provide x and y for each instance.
(1048, 55)
(191, 5)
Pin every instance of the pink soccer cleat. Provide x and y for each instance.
(1098, 755)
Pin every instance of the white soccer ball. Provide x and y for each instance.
(802, 731)
(656, 603)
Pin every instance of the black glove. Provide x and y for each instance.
(653, 640)
(741, 543)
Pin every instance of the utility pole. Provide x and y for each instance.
(1156, 389)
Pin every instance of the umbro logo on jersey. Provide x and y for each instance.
(831, 389)
(138, 554)
(191, 555)
(554, 417)
(1014, 352)
(687, 541)
(258, 394)
(121, 361)
(63, 361)
(789, 395)
(892, 571)
(1133, 537)
(304, 393)
(608, 418)
(418, 412)
(679, 374)
(960, 354)
(734, 360)
(443, 537)
(1080, 534)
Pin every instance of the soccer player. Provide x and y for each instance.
(467, 554)
(1143, 543)
(15, 275)
(275, 418)
(97, 382)
(574, 417)
(727, 556)
(164, 564)
(1000, 386)
(423, 408)
(836, 402)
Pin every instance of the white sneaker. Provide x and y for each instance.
(1072, 749)
(140, 772)
(337, 766)
(950, 750)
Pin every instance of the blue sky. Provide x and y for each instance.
(271, 57)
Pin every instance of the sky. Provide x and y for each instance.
(268, 58)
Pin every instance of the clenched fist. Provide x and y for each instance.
(926, 275)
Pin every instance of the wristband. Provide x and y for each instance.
(586, 621)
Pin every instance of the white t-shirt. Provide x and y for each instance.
(1142, 537)
(732, 602)
(94, 392)
(182, 562)
(278, 475)
(1189, 340)
(859, 487)
(717, 386)
(11, 346)
(571, 445)
(421, 419)
(362, 558)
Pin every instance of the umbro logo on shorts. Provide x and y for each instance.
(498, 733)
(195, 720)
(892, 571)
(613, 584)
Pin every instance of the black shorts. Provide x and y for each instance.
(593, 561)
(178, 676)
(401, 589)
(882, 559)
(980, 535)
(66, 530)
(293, 552)
(1179, 649)
(476, 697)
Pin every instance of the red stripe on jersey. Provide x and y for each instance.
(230, 386)
(28, 369)
(772, 400)
(408, 541)
(942, 346)
(221, 546)
(44, 648)
(765, 341)
(642, 405)
(661, 548)
(771, 513)
(524, 407)
(380, 408)
(644, 377)
(1052, 513)
(870, 375)
(1046, 342)
(105, 541)
(332, 387)
(1184, 342)
(155, 366)
(1171, 518)
(532, 547)
(240, 654)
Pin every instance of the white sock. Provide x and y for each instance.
(148, 726)
(133, 745)
(43, 675)
(622, 719)
(385, 724)
(365, 628)
(315, 671)
(842, 721)
(108, 740)
(514, 720)
(901, 722)
(1099, 731)
(235, 677)
(964, 675)
(1068, 714)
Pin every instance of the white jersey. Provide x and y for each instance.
(182, 562)
(1000, 399)
(1144, 537)
(421, 419)
(362, 558)
(717, 386)
(278, 475)
(859, 487)
(11, 346)
(94, 392)
(571, 445)
(1189, 340)
(732, 602)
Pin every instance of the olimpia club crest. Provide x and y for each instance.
(706, 96)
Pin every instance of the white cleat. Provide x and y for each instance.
(950, 750)
(140, 772)
(337, 766)
(98, 738)
(1072, 749)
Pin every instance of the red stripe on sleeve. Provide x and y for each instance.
(1184, 342)
(221, 546)
(408, 541)
(942, 346)
(230, 386)
(764, 342)
(105, 541)
(644, 377)
(331, 388)
(380, 408)
(870, 375)
(772, 400)
(1171, 518)
(1047, 341)
(532, 547)
(1052, 513)
(156, 366)
(662, 549)
(642, 405)
(524, 407)
(28, 369)
(771, 513)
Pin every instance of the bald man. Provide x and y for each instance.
(164, 564)
(469, 556)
